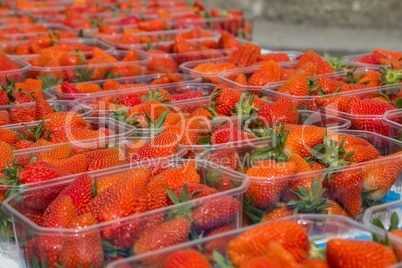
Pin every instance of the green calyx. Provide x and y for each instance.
(332, 154)
(83, 75)
(390, 76)
(49, 80)
(154, 95)
(310, 202)
(245, 105)
(275, 152)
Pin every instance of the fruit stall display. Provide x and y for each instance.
(157, 134)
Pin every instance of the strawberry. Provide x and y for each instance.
(69, 88)
(356, 148)
(365, 253)
(5, 118)
(186, 172)
(280, 111)
(157, 193)
(228, 41)
(297, 85)
(253, 242)
(280, 210)
(219, 244)
(75, 164)
(357, 107)
(164, 145)
(71, 58)
(175, 231)
(228, 132)
(246, 55)
(152, 25)
(268, 73)
(43, 108)
(323, 67)
(380, 176)
(22, 114)
(186, 258)
(60, 213)
(369, 78)
(262, 262)
(161, 62)
(268, 181)
(224, 99)
(346, 186)
(80, 192)
(46, 249)
(23, 144)
(58, 152)
(191, 191)
(187, 96)
(275, 56)
(215, 213)
(40, 171)
(325, 85)
(59, 120)
(85, 248)
(335, 103)
(301, 139)
(104, 182)
(126, 197)
(227, 158)
(8, 136)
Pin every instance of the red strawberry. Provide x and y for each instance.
(186, 258)
(174, 232)
(43, 108)
(381, 175)
(268, 180)
(187, 96)
(301, 139)
(297, 84)
(40, 171)
(60, 213)
(195, 190)
(215, 213)
(69, 88)
(347, 253)
(83, 249)
(80, 192)
(224, 99)
(357, 107)
(246, 55)
(253, 242)
(47, 249)
(268, 73)
(281, 111)
(164, 145)
(346, 186)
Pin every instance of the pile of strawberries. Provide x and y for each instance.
(168, 133)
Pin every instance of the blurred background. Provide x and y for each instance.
(338, 27)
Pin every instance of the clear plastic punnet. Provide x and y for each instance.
(320, 230)
(213, 77)
(93, 71)
(11, 47)
(185, 97)
(26, 112)
(141, 79)
(19, 74)
(117, 236)
(393, 119)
